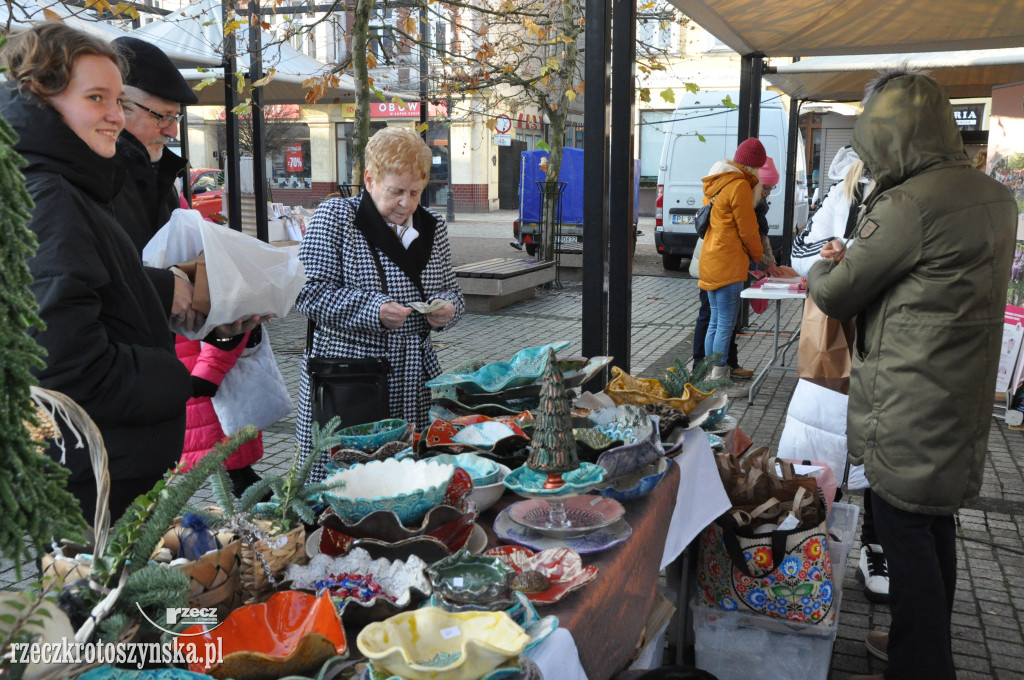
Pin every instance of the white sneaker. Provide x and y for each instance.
(873, 572)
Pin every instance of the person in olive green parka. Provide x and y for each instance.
(927, 283)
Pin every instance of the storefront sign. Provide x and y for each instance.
(380, 110)
(293, 158)
(968, 116)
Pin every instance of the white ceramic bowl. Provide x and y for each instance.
(486, 496)
(408, 488)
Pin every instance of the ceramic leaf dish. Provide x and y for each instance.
(523, 368)
(403, 584)
(478, 581)
(289, 634)
(562, 567)
(625, 389)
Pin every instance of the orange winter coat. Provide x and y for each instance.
(732, 240)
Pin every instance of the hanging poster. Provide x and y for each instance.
(293, 158)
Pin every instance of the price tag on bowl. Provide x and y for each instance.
(449, 633)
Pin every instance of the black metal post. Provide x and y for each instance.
(595, 180)
(186, 181)
(424, 36)
(620, 238)
(232, 168)
(749, 125)
(259, 166)
(450, 204)
(789, 212)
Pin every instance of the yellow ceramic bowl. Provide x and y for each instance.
(625, 389)
(432, 644)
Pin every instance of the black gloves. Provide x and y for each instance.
(203, 388)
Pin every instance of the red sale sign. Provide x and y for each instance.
(293, 158)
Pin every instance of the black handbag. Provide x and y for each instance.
(702, 219)
(356, 390)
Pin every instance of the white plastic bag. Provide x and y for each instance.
(253, 391)
(816, 430)
(247, 277)
(177, 241)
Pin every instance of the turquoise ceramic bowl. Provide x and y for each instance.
(408, 488)
(372, 436)
(530, 484)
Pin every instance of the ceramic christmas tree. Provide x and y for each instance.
(554, 450)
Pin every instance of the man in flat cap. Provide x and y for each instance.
(154, 94)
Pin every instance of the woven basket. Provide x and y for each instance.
(215, 575)
(277, 552)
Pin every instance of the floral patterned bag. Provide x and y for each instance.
(784, 574)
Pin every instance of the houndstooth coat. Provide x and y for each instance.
(343, 296)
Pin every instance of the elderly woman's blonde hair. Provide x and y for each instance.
(395, 150)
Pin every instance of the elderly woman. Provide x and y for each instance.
(366, 258)
(107, 340)
(732, 243)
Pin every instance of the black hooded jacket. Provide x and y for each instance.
(146, 200)
(107, 339)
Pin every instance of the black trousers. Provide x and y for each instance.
(701, 329)
(867, 530)
(921, 550)
(122, 493)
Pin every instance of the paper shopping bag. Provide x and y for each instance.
(195, 270)
(825, 351)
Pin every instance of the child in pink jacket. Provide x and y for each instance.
(208, 365)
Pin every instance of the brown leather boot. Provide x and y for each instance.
(877, 643)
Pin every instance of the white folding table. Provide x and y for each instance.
(777, 361)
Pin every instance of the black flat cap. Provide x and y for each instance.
(150, 70)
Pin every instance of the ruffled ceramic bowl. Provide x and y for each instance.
(290, 634)
(403, 584)
(561, 567)
(627, 459)
(710, 411)
(477, 433)
(486, 496)
(445, 529)
(432, 644)
(408, 488)
(625, 389)
(483, 471)
(372, 436)
(523, 368)
(522, 668)
(637, 484)
(575, 372)
(530, 484)
(522, 612)
(626, 422)
(477, 580)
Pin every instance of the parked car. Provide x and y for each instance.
(207, 191)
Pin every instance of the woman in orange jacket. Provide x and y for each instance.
(731, 243)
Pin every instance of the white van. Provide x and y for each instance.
(702, 131)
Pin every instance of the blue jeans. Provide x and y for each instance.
(725, 306)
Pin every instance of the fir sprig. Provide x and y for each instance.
(676, 377)
(34, 500)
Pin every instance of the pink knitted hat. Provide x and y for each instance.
(750, 153)
(768, 174)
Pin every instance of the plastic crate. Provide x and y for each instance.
(740, 645)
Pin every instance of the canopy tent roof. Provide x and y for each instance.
(806, 28)
(199, 28)
(22, 15)
(963, 74)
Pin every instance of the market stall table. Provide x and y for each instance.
(777, 359)
(603, 621)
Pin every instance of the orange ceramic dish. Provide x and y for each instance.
(625, 389)
(292, 633)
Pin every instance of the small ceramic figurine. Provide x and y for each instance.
(554, 449)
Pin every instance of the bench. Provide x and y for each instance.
(489, 285)
(570, 261)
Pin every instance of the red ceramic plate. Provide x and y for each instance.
(292, 633)
(562, 566)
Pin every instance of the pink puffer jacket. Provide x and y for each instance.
(203, 430)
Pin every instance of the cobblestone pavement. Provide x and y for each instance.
(988, 622)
